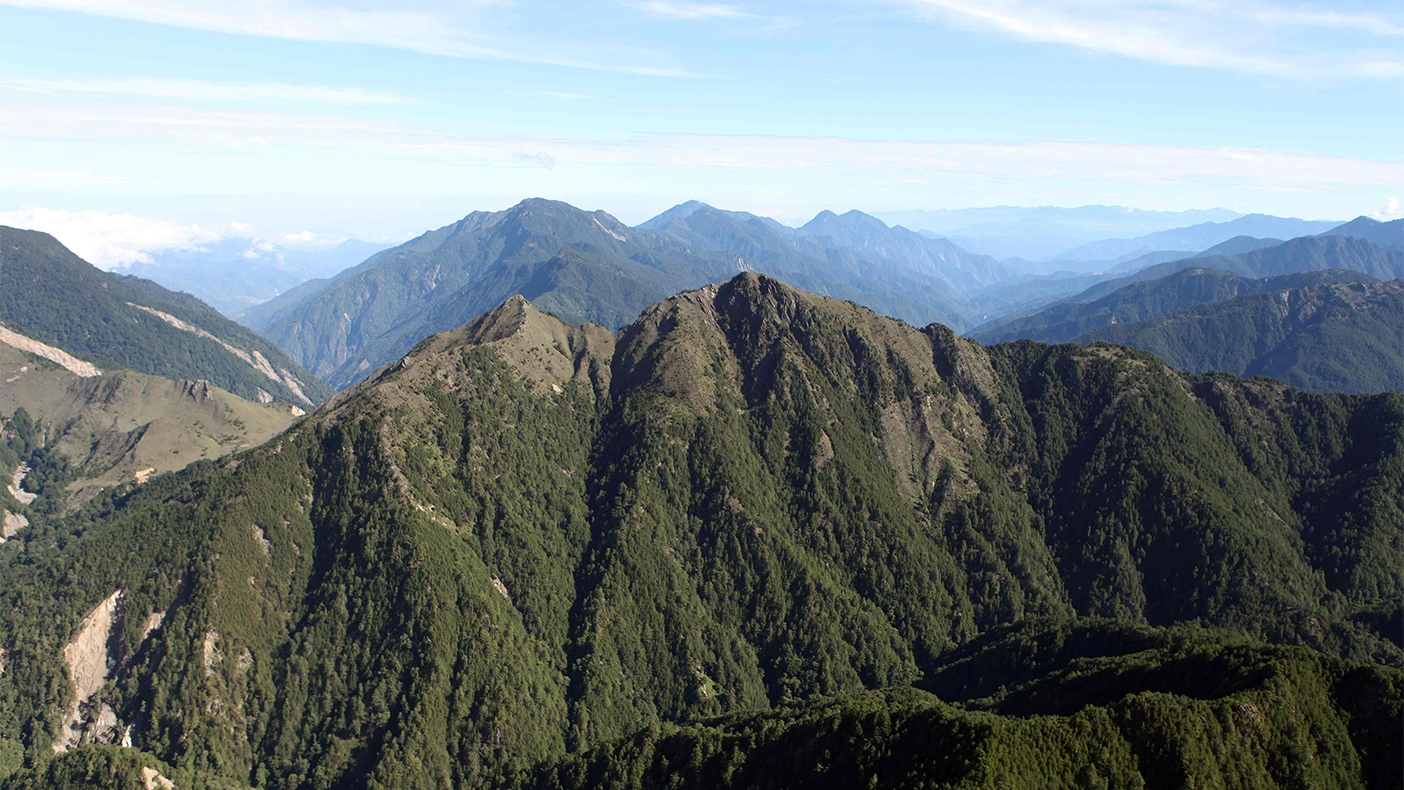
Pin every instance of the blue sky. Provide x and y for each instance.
(377, 120)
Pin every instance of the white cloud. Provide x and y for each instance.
(1390, 210)
(110, 241)
(542, 159)
(687, 11)
(1242, 36)
(209, 91)
(459, 35)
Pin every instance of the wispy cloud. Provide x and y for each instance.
(175, 88)
(687, 11)
(460, 35)
(1247, 37)
(877, 160)
(572, 96)
(36, 177)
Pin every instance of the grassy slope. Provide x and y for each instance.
(111, 426)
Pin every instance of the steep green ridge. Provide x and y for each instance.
(52, 295)
(1344, 337)
(1298, 256)
(583, 266)
(1140, 301)
(529, 540)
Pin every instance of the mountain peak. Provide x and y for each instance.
(679, 212)
(538, 345)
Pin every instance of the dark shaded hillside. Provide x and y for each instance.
(1346, 337)
(1112, 707)
(528, 540)
(52, 295)
(1115, 706)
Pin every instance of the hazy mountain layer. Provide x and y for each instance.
(1199, 237)
(529, 540)
(590, 267)
(1385, 234)
(1343, 337)
(1301, 255)
(55, 297)
(1139, 301)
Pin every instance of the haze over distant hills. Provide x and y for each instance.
(587, 266)
(1385, 234)
(236, 274)
(1043, 232)
(1153, 286)
(1197, 237)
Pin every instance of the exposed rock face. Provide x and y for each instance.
(16, 486)
(75, 365)
(155, 781)
(255, 360)
(10, 524)
(90, 664)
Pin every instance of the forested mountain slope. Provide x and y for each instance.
(1144, 300)
(585, 266)
(57, 298)
(1343, 337)
(1297, 256)
(1385, 234)
(529, 540)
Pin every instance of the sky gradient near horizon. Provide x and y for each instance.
(374, 120)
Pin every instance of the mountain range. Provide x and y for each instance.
(756, 537)
(112, 321)
(1155, 293)
(1341, 336)
(588, 266)
(1043, 232)
(1196, 237)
